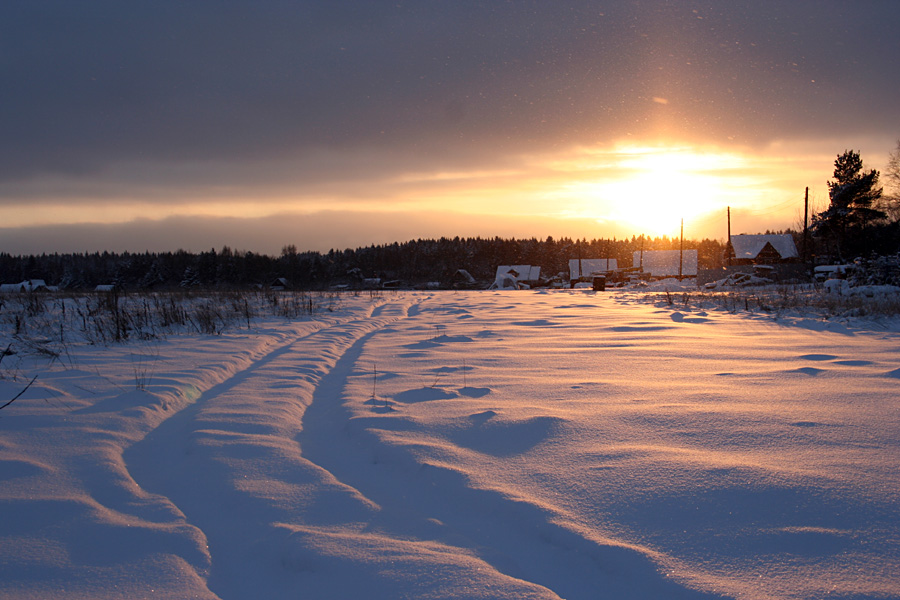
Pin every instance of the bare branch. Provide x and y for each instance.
(20, 393)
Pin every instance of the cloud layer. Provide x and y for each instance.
(321, 103)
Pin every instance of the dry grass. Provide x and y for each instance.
(780, 299)
(44, 325)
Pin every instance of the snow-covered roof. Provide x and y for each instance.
(585, 267)
(664, 263)
(748, 246)
(524, 272)
(465, 275)
(29, 285)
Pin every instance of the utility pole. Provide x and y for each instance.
(681, 252)
(730, 249)
(729, 224)
(642, 253)
(806, 226)
(578, 244)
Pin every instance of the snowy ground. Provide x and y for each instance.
(565, 444)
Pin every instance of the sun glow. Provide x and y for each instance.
(650, 189)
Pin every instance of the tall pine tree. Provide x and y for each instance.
(854, 194)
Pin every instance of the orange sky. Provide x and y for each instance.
(624, 190)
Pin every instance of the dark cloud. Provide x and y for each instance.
(89, 84)
(319, 231)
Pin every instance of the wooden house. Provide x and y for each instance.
(767, 249)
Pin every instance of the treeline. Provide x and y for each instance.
(410, 263)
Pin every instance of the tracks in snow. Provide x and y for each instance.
(268, 467)
(433, 504)
(230, 462)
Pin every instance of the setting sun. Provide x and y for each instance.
(651, 189)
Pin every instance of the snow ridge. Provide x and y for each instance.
(229, 463)
(470, 445)
(510, 542)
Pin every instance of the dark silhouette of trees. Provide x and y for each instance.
(410, 263)
(853, 210)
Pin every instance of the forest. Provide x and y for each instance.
(407, 264)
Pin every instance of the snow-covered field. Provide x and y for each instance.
(531, 444)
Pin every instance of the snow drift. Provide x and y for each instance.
(562, 444)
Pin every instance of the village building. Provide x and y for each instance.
(516, 276)
(762, 249)
(585, 268)
(29, 285)
(667, 263)
(462, 279)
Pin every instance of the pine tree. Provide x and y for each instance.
(854, 195)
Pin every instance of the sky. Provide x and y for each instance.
(194, 125)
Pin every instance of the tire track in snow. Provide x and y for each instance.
(434, 504)
(230, 463)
